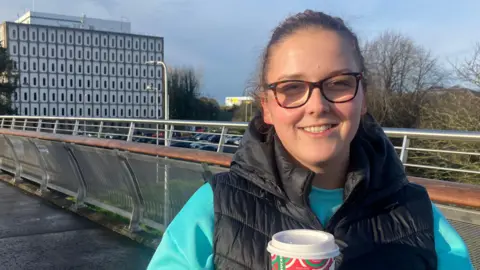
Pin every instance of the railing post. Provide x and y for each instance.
(12, 124)
(3, 122)
(75, 128)
(131, 131)
(39, 125)
(134, 189)
(221, 142)
(404, 151)
(100, 128)
(55, 127)
(43, 165)
(18, 166)
(25, 124)
(82, 187)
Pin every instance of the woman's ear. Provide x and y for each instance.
(267, 116)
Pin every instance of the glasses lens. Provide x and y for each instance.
(292, 94)
(340, 88)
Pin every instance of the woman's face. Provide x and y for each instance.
(319, 131)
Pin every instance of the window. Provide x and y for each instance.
(121, 85)
(97, 98)
(151, 99)
(136, 112)
(113, 70)
(89, 112)
(113, 112)
(70, 53)
(96, 43)
(61, 52)
(71, 82)
(24, 65)
(63, 111)
(61, 68)
(105, 112)
(61, 41)
(136, 86)
(136, 58)
(52, 37)
(44, 67)
(143, 47)
(44, 52)
(71, 97)
(88, 69)
(53, 82)
(62, 82)
(44, 82)
(52, 52)
(79, 97)
(53, 67)
(128, 44)
(14, 33)
(24, 49)
(96, 55)
(88, 55)
(121, 99)
(144, 73)
(79, 39)
(113, 99)
(121, 112)
(105, 84)
(25, 96)
(113, 84)
(44, 97)
(112, 56)
(43, 37)
(71, 111)
(129, 112)
(105, 98)
(136, 72)
(104, 70)
(34, 81)
(79, 67)
(34, 66)
(34, 36)
(62, 98)
(151, 73)
(96, 84)
(44, 111)
(120, 57)
(136, 99)
(96, 70)
(88, 83)
(128, 71)
(79, 54)
(144, 99)
(70, 38)
(35, 111)
(34, 51)
(14, 49)
(121, 71)
(26, 111)
(88, 97)
(70, 68)
(129, 86)
(129, 99)
(34, 96)
(53, 96)
(54, 111)
(87, 40)
(97, 112)
(80, 83)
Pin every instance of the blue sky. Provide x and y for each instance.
(222, 39)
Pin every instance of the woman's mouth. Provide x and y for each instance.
(320, 129)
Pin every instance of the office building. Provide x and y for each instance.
(83, 67)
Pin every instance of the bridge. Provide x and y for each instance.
(83, 192)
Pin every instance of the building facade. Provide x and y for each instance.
(82, 67)
(237, 101)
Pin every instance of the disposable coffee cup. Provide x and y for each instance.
(303, 250)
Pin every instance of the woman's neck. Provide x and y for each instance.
(333, 174)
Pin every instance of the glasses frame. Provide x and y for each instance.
(313, 85)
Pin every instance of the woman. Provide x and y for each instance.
(312, 159)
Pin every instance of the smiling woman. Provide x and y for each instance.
(313, 158)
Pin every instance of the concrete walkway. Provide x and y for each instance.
(37, 235)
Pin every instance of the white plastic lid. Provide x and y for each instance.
(303, 244)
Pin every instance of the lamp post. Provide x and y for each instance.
(165, 137)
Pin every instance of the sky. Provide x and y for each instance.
(223, 39)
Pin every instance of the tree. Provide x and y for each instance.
(398, 74)
(8, 83)
(469, 69)
(184, 90)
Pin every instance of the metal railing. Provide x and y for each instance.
(456, 153)
(123, 178)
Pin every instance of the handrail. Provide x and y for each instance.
(440, 191)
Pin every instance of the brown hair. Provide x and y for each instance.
(292, 24)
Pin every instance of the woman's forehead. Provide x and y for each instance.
(311, 53)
